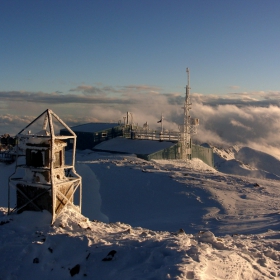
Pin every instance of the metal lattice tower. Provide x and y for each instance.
(186, 129)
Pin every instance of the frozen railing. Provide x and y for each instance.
(155, 135)
(6, 156)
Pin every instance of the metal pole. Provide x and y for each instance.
(161, 123)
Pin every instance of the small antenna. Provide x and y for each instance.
(188, 85)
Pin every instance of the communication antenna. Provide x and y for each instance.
(188, 85)
(186, 131)
(190, 124)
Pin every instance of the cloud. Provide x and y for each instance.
(139, 88)
(247, 118)
(55, 98)
(93, 90)
(145, 103)
(85, 94)
(240, 99)
(12, 124)
(234, 87)
(257, 127)
(237, 123)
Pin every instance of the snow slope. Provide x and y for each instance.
(160, 220)
(246, 162)
(32, 250)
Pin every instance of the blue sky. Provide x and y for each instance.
(96, 60)
(53, 46)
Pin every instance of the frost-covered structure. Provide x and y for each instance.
(42, 178)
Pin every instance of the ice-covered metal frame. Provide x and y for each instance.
(62, 182)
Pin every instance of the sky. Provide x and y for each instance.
(96, 60)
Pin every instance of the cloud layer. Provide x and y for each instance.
(237, 118)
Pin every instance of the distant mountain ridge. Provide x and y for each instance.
(246, 161)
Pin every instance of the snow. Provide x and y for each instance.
(124, 145)
(152, 220)
(247, 162)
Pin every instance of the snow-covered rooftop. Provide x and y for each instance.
(130, 146)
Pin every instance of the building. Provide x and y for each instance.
(91, 134)
(144, 142)
(118, 138)
(155, 149)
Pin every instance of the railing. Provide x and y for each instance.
(155, 135)
(7, 157)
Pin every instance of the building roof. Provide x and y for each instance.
(125, 145)
(93, 127)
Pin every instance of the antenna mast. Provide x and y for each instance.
(186, 137)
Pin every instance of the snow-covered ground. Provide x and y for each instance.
(155, 220)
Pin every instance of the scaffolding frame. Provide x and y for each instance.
(72, 182)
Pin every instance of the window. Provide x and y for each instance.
(37, 158)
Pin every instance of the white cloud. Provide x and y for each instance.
(240, 118)
(234, 87)
(237, 123)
